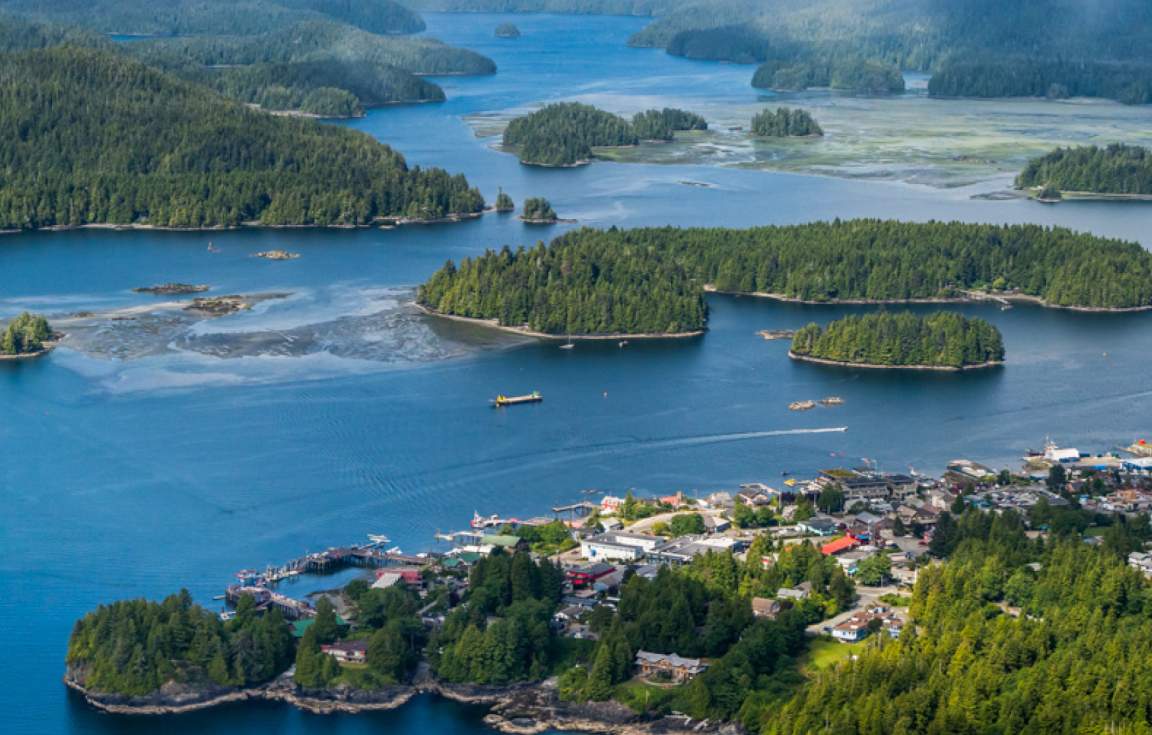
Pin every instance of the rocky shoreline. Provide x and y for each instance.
(873, 366)
(526, 332)
(969, 297)
(518, 709)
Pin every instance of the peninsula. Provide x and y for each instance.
(755, 610)
(905, 341)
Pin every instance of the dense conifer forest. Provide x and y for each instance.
(943, 339)
(25, 334)
(785, 122)
(92, 137)
(845, 73)
(133, 647)
(1010, 636)
(650, 279)
(214, 17)
(576, 286)
(537, 209)
(564, 134)
(1115, 169)
(1009, 76)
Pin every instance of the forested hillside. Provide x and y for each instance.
(223, 17)
(943, 339)
(1010, 636)
(91, 137)
(650, 279)
(849, 73)
(1115, 169)
(988, 48)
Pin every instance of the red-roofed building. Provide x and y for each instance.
(839, 545)
(408, 575)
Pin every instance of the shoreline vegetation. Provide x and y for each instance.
(526, 331)
(1117, 172)
(27, 337)
(653, 280)
(905, 341)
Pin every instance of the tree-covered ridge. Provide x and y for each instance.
(976, 47)
(24, 335)
(785, 122)
(134, 647)
(329, 88)
(564, 133)
(19, 34)
(1009, 637)
(576, 286)
(1129, 82)
(212, 17)
(943, 339)
(1115, 169)
(847, 73)
(315, 40)
(91, 137)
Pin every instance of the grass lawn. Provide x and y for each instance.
(641, 696)
(824, 653)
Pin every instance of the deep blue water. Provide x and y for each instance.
(338, 413)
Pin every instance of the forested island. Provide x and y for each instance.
(785, 122)
(91, 137)
(25, 336)
(537, 211)
(1116, 170)
(942, 341)
(651, 280)
(504, 202)
(574, 287)
(565, 133)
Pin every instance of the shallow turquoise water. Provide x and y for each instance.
(333, 413)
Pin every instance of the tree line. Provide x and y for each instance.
(784, 122)
(1114, 169)
(92, 137)
(564, 133)
(575, 286)
(651, 279)
(849, 73)
(942, 339)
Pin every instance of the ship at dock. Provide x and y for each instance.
(503, 400)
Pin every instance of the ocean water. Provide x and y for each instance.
(160, 450)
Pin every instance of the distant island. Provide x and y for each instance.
(171, 289)
(1117, 171)
(133, 146)
(848, 73)
(785, 122)
(28, 335)
(538, 211)
(652, 280)
(940, 341)
(564, 134)
(507, 30)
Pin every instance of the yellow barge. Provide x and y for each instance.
(503, 400)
